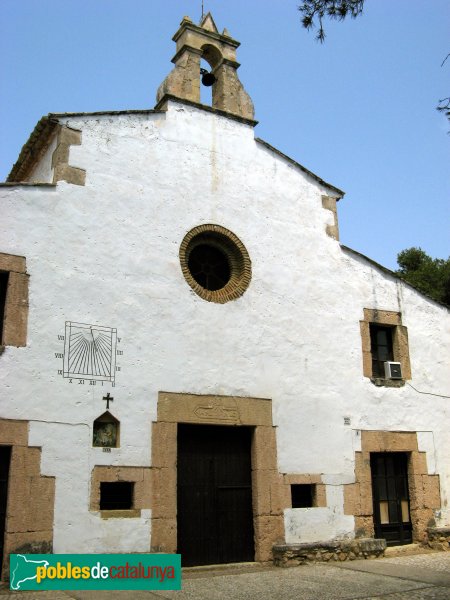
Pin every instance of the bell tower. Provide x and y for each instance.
(195, 42)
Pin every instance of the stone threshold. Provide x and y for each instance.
(404, 550)
(225, 569)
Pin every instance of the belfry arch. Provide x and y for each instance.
(212, 55)
(196, 42)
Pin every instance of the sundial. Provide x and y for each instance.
(89, 352)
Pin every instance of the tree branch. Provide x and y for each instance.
(334, 9)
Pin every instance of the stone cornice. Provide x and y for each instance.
(224, 39)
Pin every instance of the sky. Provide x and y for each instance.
(358, 110)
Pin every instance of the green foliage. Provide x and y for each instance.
(334, 9)
(430, 275)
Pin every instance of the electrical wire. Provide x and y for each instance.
(427, 393)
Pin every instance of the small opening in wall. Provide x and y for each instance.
(205, 91)
(381, 347)
(116, 495)
(106, 431)
(215, 263)
(302, 495)
(4, 276)
(209, 266)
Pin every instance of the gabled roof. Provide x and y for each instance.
(42, 135)
(340, 193)
(45, 129)
(35, 146)
(387, 271)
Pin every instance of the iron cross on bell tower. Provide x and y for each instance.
(108, 399)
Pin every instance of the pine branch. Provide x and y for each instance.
(334, 9)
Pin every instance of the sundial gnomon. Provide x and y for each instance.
(89, 352)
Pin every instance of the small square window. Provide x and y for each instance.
(303, 495)
(4, 276)
(116, 495)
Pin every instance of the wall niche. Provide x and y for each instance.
(106, 431)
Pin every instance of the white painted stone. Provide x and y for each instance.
(107, 254)
(67, 456)
(356, 439)
(43, 170)
(425, 443)
(317, 524)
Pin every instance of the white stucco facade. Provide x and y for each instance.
(107, 254)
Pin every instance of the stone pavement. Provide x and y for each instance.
(417, 577)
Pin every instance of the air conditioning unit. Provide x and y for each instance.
(392, 370)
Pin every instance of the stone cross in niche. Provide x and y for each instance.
(108, 399)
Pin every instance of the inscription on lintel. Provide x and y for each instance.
(217, 411)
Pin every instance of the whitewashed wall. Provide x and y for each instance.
(43, 170)
(107, 254)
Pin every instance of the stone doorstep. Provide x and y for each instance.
(405, 550)
(291, 555)
(225, 569)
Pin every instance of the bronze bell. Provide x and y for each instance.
(208, 78)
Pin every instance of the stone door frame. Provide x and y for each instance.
(31, 497)
(424, 488)
(267, 483)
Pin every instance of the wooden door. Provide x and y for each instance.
(391, 511)
(5, 457)
(214, 495)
